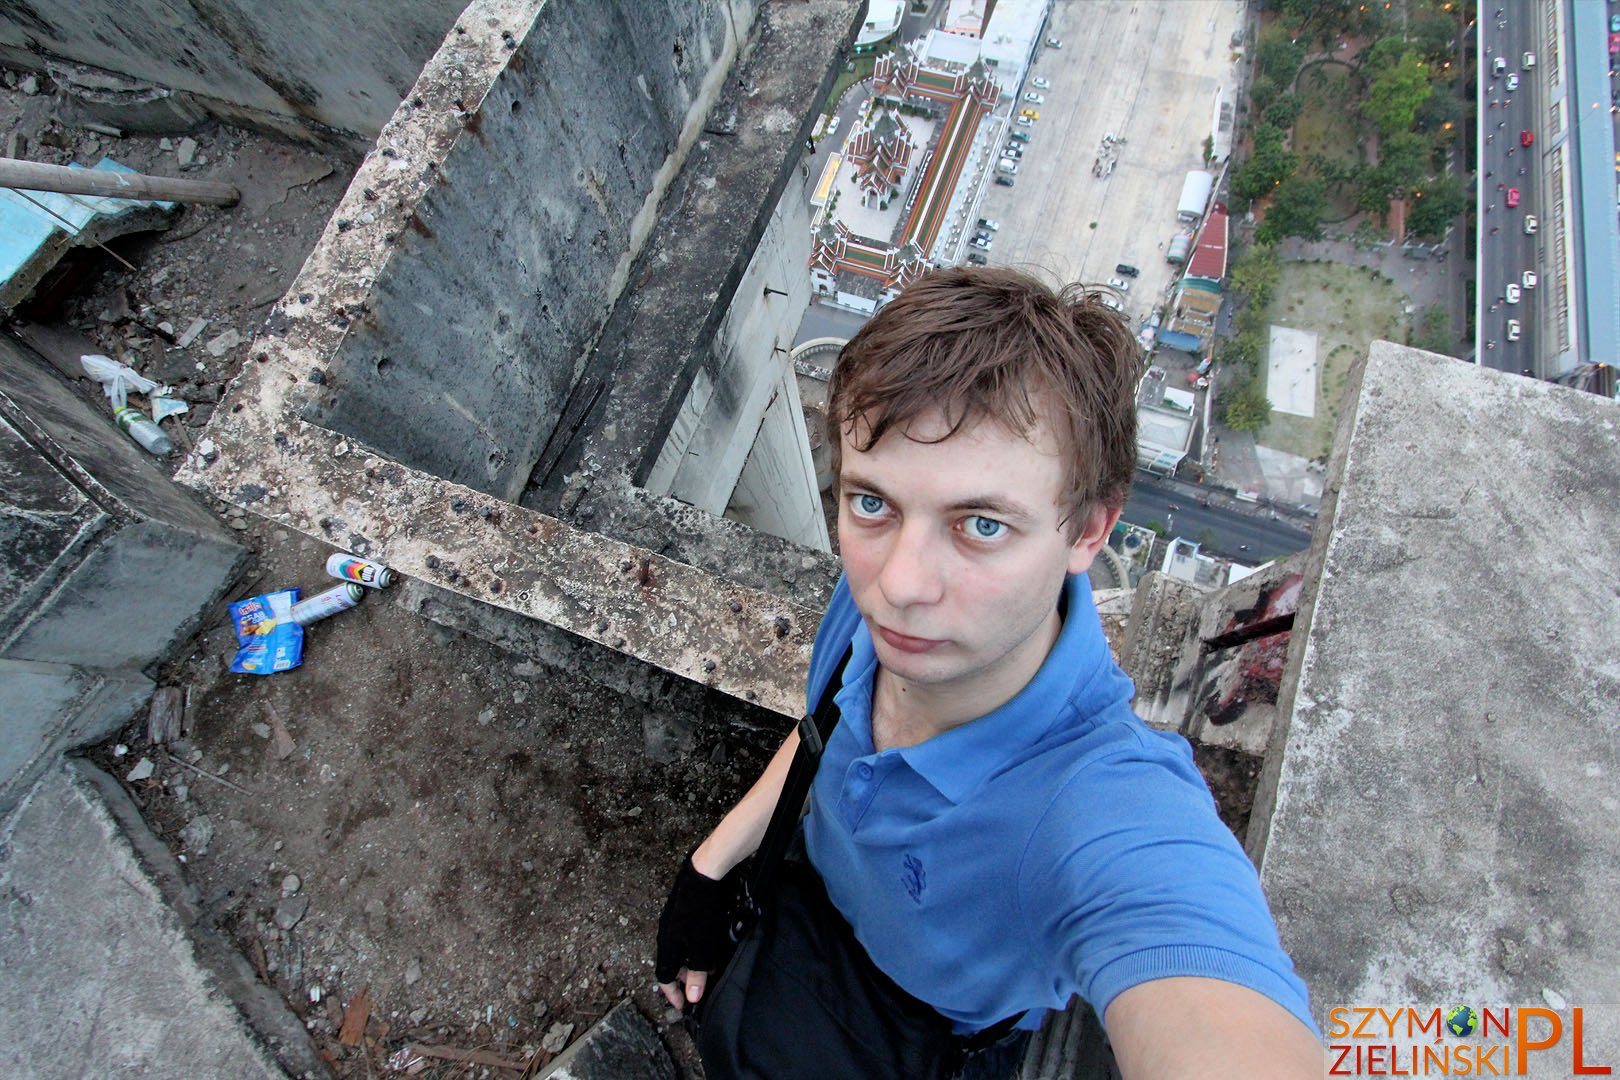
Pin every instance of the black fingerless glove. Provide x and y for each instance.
(694, 929)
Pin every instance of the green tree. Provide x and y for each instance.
(1296, 209)
(1435, 206)
(1246, 408)
(1255, 274)
(1404, 158)
(1278, 58)
(1262, 92)
(1284, 111)
(1440, 112)
(1269, 164)
(1396, 93)
(1434, 36)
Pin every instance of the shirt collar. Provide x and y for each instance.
(959, 761)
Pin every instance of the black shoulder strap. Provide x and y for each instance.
(814, 730)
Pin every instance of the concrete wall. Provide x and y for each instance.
(594, 553)
(510, 261)
(107, 566)
(290, 64)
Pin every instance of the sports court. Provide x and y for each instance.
(1291, 371)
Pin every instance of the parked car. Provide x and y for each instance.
(1530, 224)
(982, 245)
(1126, 269)
(1040, 84)
(832, 127)
(1513, 330)
(984, 234)
(1120, 283)
(1513, 198)
(1005, 181)
(1108, 301)
(1513, 82)
(986, 223)
(1030, 113)
(1024, 121)
(1511, 293)
(1012, 153)
(1007, 165)
(976, 259)
(1021, 136)
(1528, 60)
(1529, 279)
(1034, 98)
(1526, 137)
(1054, 43)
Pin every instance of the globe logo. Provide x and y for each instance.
(1461, 1021)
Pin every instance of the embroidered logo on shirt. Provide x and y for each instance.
(915, 879)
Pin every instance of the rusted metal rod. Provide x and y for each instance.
(34, 176)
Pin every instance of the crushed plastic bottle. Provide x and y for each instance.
(143, 430)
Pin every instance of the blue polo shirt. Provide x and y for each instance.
(1055, 846)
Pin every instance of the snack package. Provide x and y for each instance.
(269, 641)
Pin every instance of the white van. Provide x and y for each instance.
(1007, 165)
(1498, 66)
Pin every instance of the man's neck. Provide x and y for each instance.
(906, 714)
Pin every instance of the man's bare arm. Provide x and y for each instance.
(738, 836)
(1189, 1028)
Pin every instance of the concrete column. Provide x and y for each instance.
(742, 415)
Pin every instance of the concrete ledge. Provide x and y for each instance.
(49, 709)
(1440, 824)
(103, 976)
(621, 1046)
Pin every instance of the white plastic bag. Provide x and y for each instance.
(120, 379)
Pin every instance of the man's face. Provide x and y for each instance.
(955, 553)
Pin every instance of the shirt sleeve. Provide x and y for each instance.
(1132, 876)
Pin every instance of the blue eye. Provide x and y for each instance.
(983, 528)
(867, 505)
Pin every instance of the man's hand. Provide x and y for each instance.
(693, 934)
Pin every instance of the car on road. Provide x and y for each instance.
(1029, 113)
(1034, 98)
(1126, 269)
(1025, 122)
(1005, 181)
(1530, 224)
(1021, 136)
(1513, 82)
(1529, 279)
(1120, 283)
(1054, 43)
(1514, 330)
(1108, 301)
(1040, 84)
(976, 259)
(1511, 293)
(986, 223)
(832, 127)
(1512, 198)
(1526, 137)
(1614, 24)
(1528, 60)
(1498, 66)
(1614, 44)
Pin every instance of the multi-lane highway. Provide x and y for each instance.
(1510, 78)
(1250, 534)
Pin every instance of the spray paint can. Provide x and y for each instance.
(347, 567)
(330, 602)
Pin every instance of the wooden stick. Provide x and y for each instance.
(34, 176)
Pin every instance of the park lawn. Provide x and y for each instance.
(1347, 307)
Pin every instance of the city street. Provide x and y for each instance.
(1506, 30)
(1214, 520)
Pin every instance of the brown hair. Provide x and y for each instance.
(989, 342)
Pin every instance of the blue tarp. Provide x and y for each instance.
(1187, 343)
